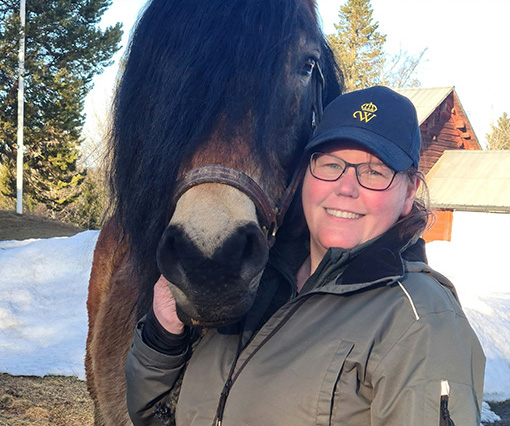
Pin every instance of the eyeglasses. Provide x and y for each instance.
(376, 176)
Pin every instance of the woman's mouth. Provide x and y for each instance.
(343, 214)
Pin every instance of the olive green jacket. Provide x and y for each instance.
(368, 341)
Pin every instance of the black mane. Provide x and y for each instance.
(190, 63)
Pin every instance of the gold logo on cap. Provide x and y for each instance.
(367, 112)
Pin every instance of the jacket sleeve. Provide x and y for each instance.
(432, 375)
(150, 377)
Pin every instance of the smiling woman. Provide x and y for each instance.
(362, 331)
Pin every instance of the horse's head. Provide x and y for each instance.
(232, 84)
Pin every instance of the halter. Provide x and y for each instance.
(270, 216)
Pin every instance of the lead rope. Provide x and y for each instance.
(226, 388)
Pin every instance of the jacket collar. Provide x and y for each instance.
(377, 261)
(340, 271)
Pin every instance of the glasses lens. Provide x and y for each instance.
(326, 167)
(376, 176)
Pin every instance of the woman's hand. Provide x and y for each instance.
(165, 309)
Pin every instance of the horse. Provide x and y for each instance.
(210, 118)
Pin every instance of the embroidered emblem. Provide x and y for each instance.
(367, 112)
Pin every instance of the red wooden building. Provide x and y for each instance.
(444, 125)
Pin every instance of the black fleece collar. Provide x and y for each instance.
(371, 262)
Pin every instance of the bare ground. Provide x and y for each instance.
(14, 226)
(502, 409)
(64, 401)
(44, 401)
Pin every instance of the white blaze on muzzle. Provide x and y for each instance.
(211, 212)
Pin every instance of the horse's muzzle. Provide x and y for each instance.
(217, 287)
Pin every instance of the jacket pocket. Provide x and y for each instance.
(327, 390)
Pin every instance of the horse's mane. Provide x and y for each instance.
(190, 63)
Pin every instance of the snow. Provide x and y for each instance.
(43, 292)
(43, 315)
(475, 262)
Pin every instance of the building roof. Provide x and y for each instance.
(471, 181)
(426, 100)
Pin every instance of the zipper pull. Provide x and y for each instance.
(223, 401)
(445, 419)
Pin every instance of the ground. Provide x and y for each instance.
(64, 401)
(502, 409)
(14, 226)
(44, 401)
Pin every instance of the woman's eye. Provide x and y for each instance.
(332, 166)
(309, 66)
(373, 172)
(378, 171)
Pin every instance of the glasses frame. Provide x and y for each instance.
(347, 165)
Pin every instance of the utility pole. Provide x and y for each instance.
(21, 111)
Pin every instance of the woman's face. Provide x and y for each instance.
(343, 213)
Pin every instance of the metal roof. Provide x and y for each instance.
(426, 100)
(471, 181)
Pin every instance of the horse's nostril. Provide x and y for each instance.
(167, 244)
(245, 251)
(255, 244)
(251, 246)
(167, 253)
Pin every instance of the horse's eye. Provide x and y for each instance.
(308, 66)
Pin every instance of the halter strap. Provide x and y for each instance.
(318, 88)
(216, 173)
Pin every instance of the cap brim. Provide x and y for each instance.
(385, 150)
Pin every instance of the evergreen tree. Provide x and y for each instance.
(499, 136)
(64, 50)
(358, 46)
(359, 49)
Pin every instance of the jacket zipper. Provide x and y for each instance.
(231, 378)
(444, 416)
(223, 401)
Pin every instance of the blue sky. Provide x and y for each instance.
(467, 45)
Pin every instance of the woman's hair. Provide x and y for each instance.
(421, 217)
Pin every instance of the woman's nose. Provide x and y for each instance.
(347, 185)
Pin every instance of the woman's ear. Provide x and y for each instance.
(412, 188)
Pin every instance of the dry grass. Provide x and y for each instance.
(20, 227)
(44, 401)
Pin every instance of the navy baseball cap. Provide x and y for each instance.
(379, 119)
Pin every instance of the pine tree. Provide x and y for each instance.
(358, 46)
(499, 136)
(64, 50)
(359, 49)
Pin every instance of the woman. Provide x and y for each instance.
(365, 334)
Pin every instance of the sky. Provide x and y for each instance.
(467, 44)
(43, 318)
